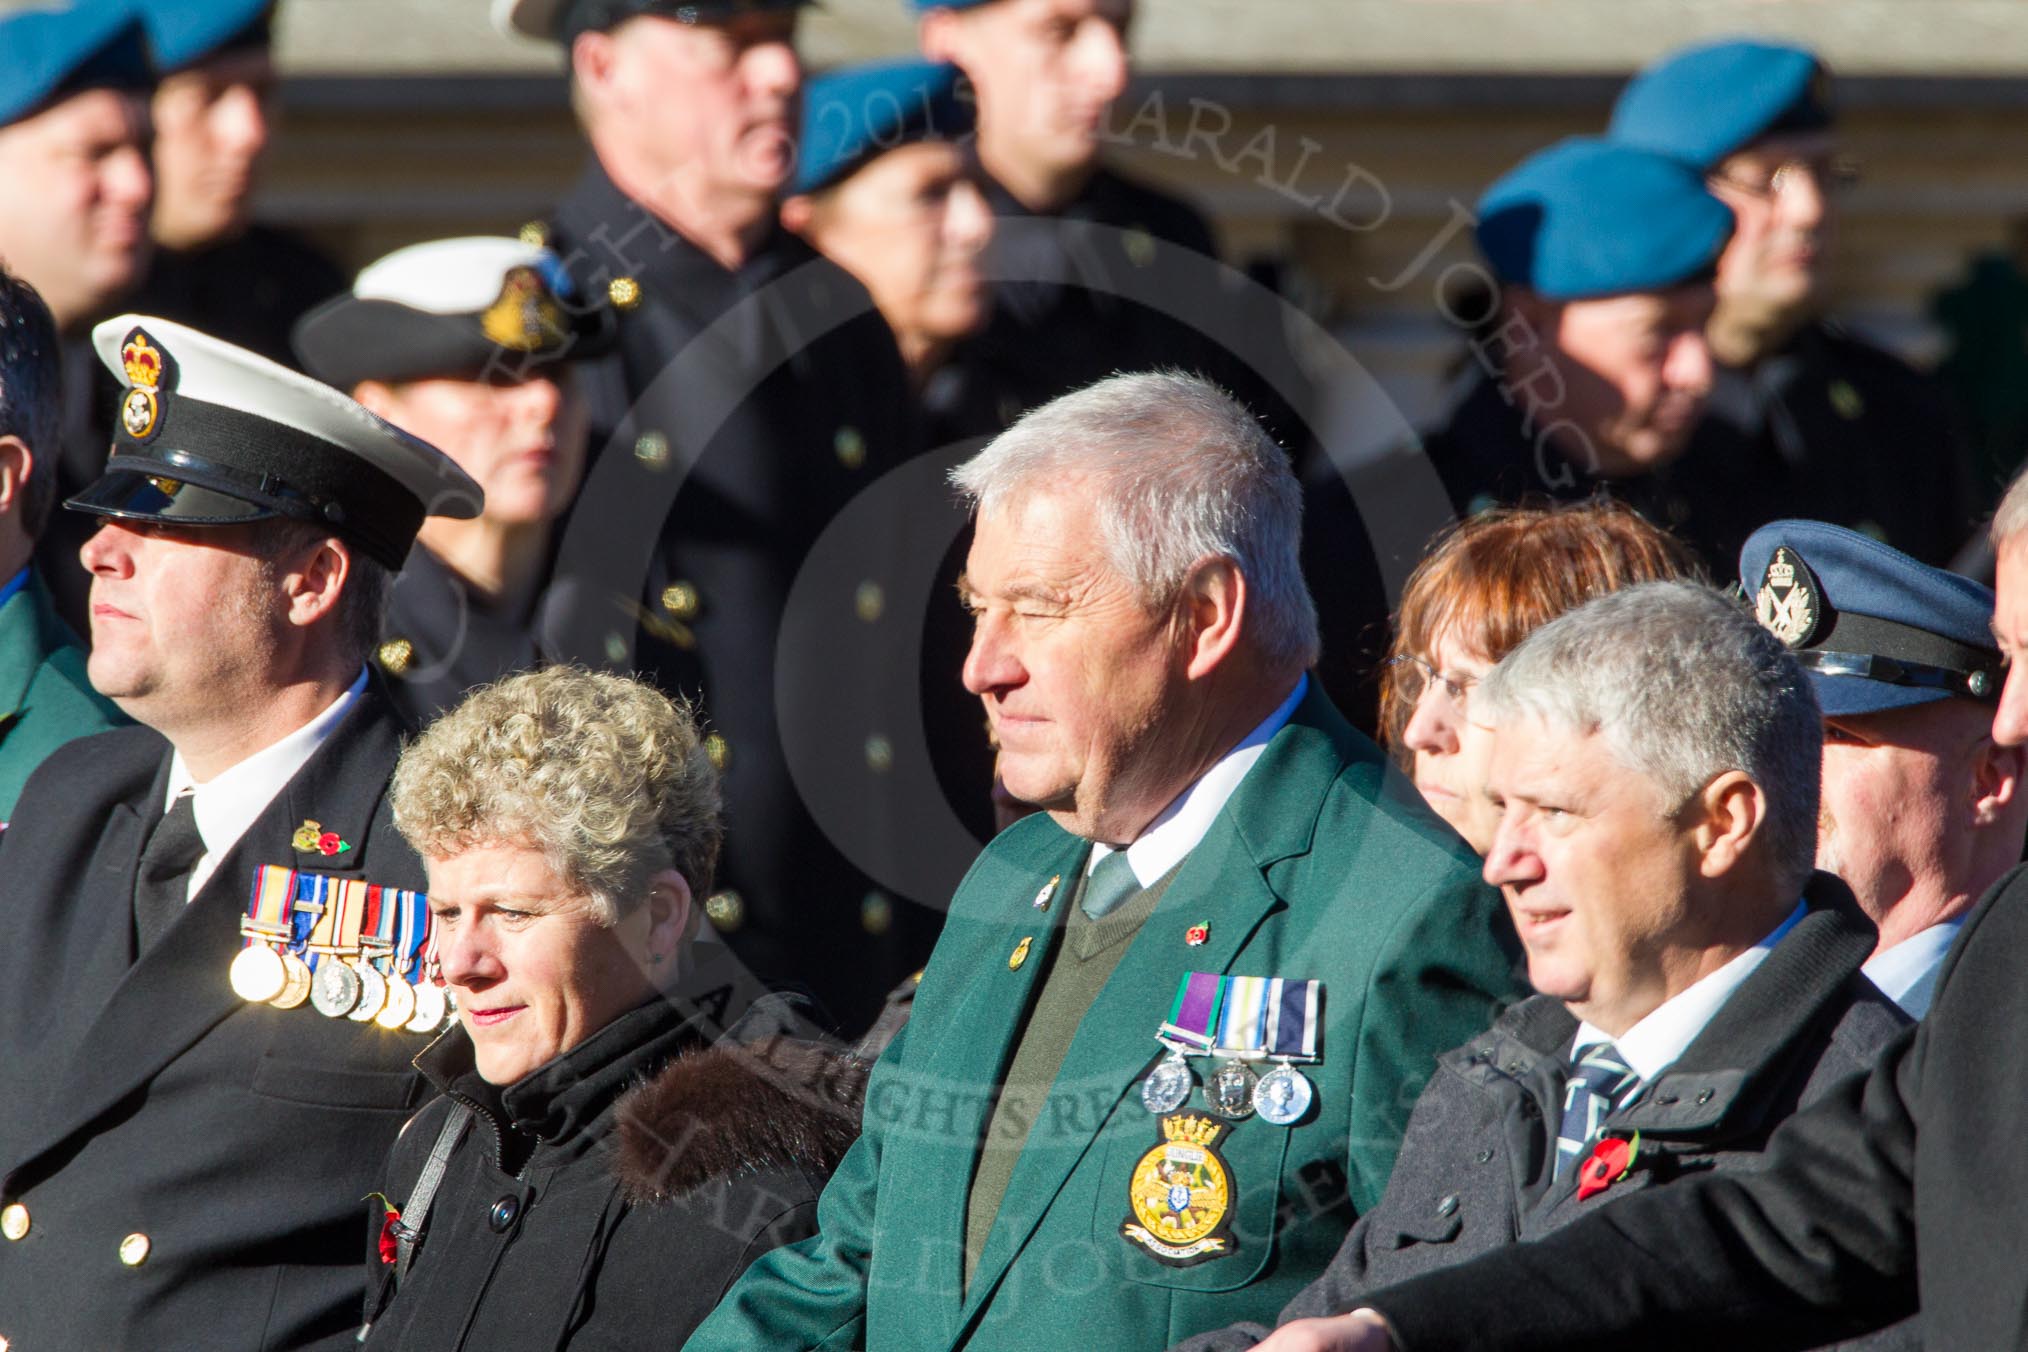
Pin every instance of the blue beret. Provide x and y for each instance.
(1703, 103)
(851, 116)
(1875, 629)
(562, 20)
(50, 53)
(185, 32)
(1588, 218)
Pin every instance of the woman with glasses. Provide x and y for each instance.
(1486, 584)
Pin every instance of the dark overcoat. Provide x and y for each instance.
(617, 1190)
(1474, 1170)
(1900, 1189)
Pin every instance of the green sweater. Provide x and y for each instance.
(1090, 951)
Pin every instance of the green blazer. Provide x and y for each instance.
(45, 697)
(1324, 864)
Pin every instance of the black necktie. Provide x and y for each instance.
(162, 883)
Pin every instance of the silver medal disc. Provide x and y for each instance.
(335, 990)
(429, 1008)
(372, 993)
(1230, 1092)
(1167, 1086)
(1283, 1095)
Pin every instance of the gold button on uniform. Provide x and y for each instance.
(879, 754)
(681, 600)
(850, 445)
(396, 656)
(624, 292)
(726, 910)
(869, 601)
(14, 1221)
(134, 1249)
(652, 449)
(536, 233)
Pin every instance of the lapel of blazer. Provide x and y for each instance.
(971, 1059)
(1223, 882)
(21, 648)
(178, 991)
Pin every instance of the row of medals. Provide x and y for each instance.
(340, 989)
(1281, 1096)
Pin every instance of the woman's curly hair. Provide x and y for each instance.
(604, 774)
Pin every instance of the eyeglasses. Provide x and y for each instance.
(1414, 676)
(1831, 174)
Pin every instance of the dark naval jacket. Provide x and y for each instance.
(1473, 1175)
(609, 1198)
(730, 544)
(182, 1169)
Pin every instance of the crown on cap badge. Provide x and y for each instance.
(146, 366)
(1788, 604)
(526, 318)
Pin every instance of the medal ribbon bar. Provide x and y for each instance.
(1193, 1016)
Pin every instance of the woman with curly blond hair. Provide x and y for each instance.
(595, 1162)
(1487, 583)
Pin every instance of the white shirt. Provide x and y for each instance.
(1183, 823)
(228, 802)
(1906, 973)
(1652, 1045)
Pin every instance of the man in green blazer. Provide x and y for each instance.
(45, 698)
(1221, 861)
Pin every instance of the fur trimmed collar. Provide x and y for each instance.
(726, 1111)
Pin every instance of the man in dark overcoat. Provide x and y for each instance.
(1728, 1001)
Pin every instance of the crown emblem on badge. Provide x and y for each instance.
(1191, 1129)
(1788, 605)
(526, 318)
(146, 367)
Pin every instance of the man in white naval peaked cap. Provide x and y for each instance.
(472, 344)
(187, 1140)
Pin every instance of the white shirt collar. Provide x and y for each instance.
(1905, 973)
(228, 802)
(1183, 823)
(1653, 1045)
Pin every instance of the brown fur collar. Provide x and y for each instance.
(722, 1112)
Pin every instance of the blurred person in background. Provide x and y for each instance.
(1923, 810)
(46, 697)
(884, 187)
(1594, 368)
(1805, 418)
(215, 268)
(610, 1171)
(74, 223)
(1075, 233)
(1485, 585)
(753, 394)
(471, 345)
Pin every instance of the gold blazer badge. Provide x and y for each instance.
(1181, 1194)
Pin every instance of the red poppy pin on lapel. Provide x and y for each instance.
(312, 838)
(1611, 1160)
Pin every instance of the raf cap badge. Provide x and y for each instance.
(1789, 604)
(1180, 1196)
(148, 370)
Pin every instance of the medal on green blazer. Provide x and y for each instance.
(1180, 1197)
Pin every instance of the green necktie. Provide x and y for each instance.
(1111, 883)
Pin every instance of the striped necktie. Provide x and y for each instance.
(1595, 1084)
